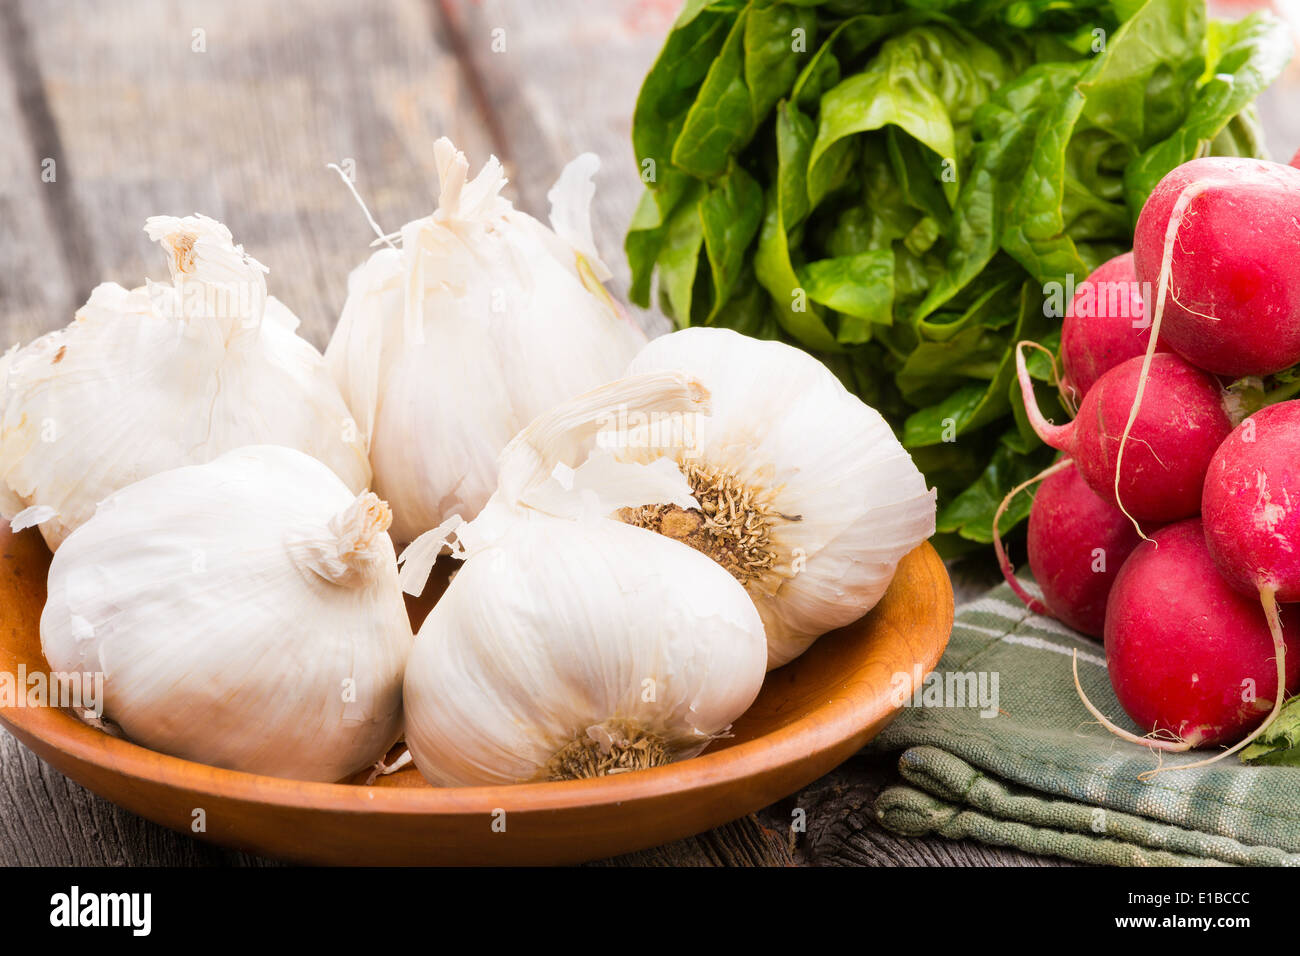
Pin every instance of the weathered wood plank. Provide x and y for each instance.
(745, 842)
(47, 820)
(1278, 112)
(38, 257)
(561, 78)
(842, 828)
(233, 110)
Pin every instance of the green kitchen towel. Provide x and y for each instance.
(997, 747)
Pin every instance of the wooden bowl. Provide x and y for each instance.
(810, 716)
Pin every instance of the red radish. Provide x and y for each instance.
(1251, 503)
(1218, 241)
(1174, 437)
(1190, 658)
(1251, 508)
(1105, 325)
(1077, 544)
(1295, 160)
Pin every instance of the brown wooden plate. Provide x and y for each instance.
(811, 715)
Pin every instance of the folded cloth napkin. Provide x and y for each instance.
(997, 747)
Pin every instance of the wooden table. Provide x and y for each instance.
(114, 111)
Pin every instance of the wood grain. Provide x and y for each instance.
(234, 109)
(560, 78)
(39, 255)
(841, 828)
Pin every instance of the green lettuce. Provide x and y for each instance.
(1279, 744)
(895, 185)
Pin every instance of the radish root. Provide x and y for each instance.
(1174, 745)
(1268, 598)
(1004, 562)
(1189, 193)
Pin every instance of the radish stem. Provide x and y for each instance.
(1056, 436)
(1190, 192)
(1004, 562)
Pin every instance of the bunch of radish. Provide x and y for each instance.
(1169, 528)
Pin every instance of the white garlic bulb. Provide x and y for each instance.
(482, 320)
(805, 495)
(165, 375)
(568, 644)
(244, 613)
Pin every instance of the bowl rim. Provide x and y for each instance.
(822, 728)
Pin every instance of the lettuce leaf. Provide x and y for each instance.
(893, 185)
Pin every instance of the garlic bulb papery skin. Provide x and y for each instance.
(165, 375)
(568, 644)
(806, 495)
(481, 321)
(245, 613)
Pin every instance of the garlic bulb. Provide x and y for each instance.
(568, 644)
(165, 375)
(244, 613)
(806, 497)
(482, 320)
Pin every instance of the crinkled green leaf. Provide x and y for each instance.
(645, 235)
(891, 183)
(801, 318)
(731, 213)
(1136, 90)
(756, 66)
(860, 285)
(1251, 54)
(1279, 744)
(679, 257)
(666, 95)
(974, 406)
(1008, 126)
(970, 514)
(721, 117)
(1133, 90)
(670, 87)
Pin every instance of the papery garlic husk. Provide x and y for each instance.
(245, 613)
(806, 496)
(569, 644)
(165, 375)
(483, 320)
